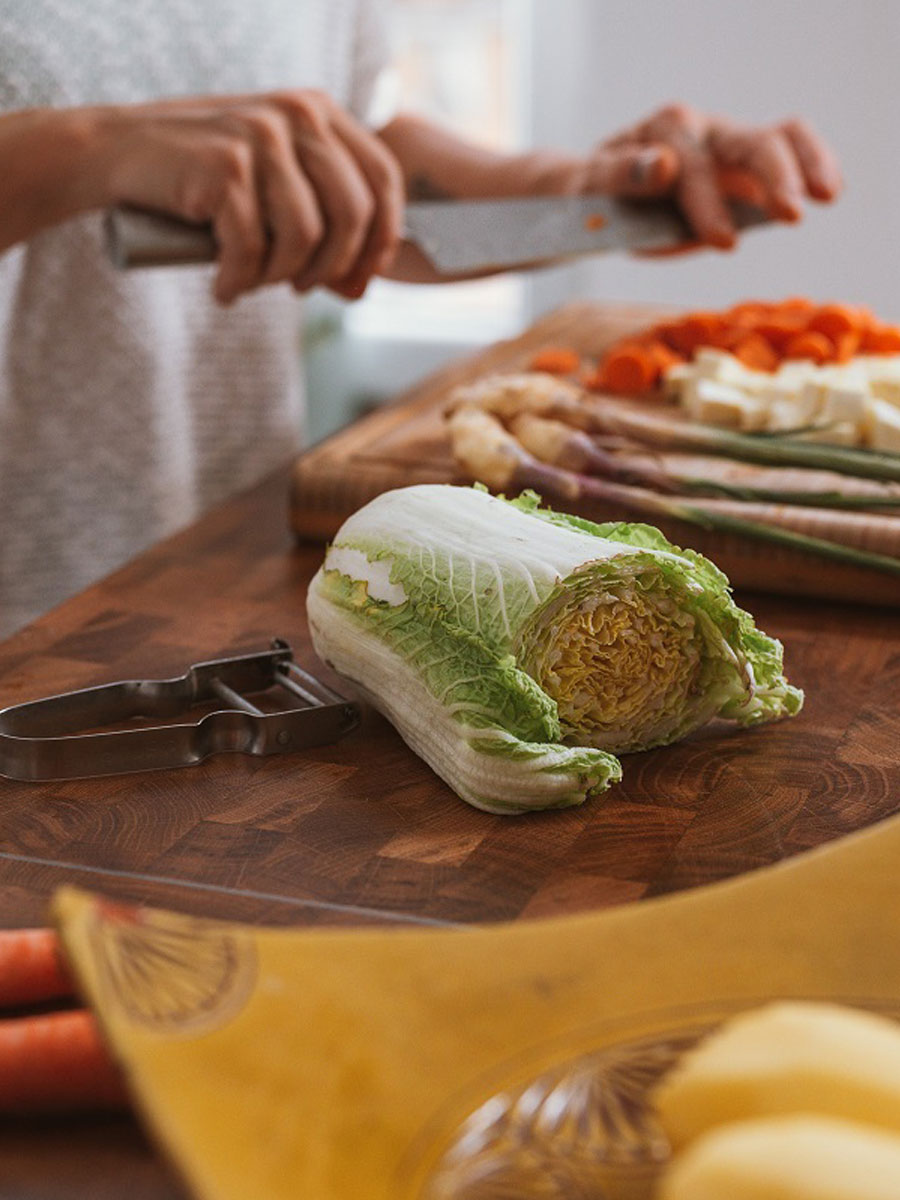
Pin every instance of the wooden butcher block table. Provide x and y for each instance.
(362, 831)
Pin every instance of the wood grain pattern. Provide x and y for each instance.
(406, 443)
(363, 831)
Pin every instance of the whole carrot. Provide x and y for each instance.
(56, 1062)
(31, 968)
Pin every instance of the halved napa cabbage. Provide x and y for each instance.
(517, 650)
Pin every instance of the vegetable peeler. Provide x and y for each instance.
(46, 739)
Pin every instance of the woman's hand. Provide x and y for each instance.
(700, 160)
(295, 189)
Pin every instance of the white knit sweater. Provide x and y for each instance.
(129, 403)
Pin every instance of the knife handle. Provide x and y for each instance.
(135, 238)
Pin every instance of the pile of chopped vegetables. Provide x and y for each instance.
(762, 335)
(517, 650)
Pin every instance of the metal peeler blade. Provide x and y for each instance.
(41, 740)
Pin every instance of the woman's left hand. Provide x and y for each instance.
(701, 160)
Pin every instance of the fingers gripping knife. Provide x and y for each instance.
(45, 739)
(456, 236)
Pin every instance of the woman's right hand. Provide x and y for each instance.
(294, 187)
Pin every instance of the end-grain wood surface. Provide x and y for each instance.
(362, 830)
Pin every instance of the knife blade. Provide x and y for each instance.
(458, 237)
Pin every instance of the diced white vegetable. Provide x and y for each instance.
(717, 389)
(885, 389)
(718, 365)
(721, 404)
(796, 372)
(789, 409)
(844, 403)
(883, 426)
(675, 378)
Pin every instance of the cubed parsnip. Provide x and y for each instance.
(844, 402)
(674, 379)
(723, 367)
(883, 375)
(795, 373)
(786, 1057)
(883, 426)
(722, 404)
(788, 1158)
(787, 409)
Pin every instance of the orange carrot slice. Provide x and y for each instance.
(798, 304)
(780, 329)
(810, 345)
(701, 329)
(882, 339)
(629, 368)
(662, 355)
(748, 311)
(834, 320)
(755, 352)
(556, 360)
(846, 345)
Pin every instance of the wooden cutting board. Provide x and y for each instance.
(405, 443)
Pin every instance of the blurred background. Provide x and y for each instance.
(516, 73)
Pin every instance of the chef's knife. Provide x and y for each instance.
(458, 237)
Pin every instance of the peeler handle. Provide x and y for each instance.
(59, 738)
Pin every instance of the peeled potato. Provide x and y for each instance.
(788, 1158)
(788, 1057)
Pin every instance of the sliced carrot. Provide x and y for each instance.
(556, 360)
(780, 329)
(755, 352)
(594, 221)
(834, 320)
(629, 369)
(694, 330)
(744, 318)
(882, 339)
(31, 968)
(846, 345)
(795, 304)
(810, 345)
(56, 1061)
(662, 355)
(702, 329)
(729, 335)
(668, 332)
(750, 310)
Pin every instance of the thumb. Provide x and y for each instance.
(632, 170)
